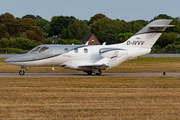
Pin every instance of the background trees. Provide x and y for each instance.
(19, 42)
(33, 17)
(39, 30)
(75, 30)
(106, 29)
(3, 30)
(29, 27)
(166, 38)
(42, 23)
(59, 23)
(97, 17)
(8, 21)
(11, 27)
(122, 37)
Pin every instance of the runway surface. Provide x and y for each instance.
(141, 74)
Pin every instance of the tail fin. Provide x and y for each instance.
(148, 35)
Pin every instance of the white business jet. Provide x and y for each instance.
(92, 58)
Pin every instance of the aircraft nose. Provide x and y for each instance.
(9, 60)
(17, 58)
(6, 60)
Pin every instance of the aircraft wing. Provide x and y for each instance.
(104, 63)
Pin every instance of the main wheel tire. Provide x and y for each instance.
(89, 72)
(99, 73)
(21, 72)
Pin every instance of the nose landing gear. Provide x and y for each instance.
(22, 72)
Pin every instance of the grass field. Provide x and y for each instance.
(142, 64)
(90, 98)
(93, 97)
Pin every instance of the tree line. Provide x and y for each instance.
(30, 30)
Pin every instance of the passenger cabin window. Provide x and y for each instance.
(75, 50)
(43, 49)
(35, 49)
(66, 50)
(85, 50)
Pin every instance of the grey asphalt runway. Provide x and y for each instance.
(43, 75)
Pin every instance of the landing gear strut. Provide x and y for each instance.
(21, 72)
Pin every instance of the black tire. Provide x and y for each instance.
(89, 72)
(99, 73)
(21, 72)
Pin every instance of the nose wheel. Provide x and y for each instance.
(22, 72)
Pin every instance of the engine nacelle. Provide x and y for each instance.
(108, 52)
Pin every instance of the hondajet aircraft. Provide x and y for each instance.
(92, 58)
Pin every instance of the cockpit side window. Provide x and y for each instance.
(35, 49)
(43, 49)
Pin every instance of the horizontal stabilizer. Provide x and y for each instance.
(161, 26)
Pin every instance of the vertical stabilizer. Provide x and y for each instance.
(148, 35)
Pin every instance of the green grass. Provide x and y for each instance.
(90, 98)
(2, 59)
(149, 64)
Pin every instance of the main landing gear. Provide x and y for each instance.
(97, 72)
(89, 72)
(22, 72)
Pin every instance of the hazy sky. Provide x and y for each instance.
(84, 9)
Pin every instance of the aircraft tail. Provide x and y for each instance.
(148, 35)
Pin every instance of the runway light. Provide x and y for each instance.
(164, 74)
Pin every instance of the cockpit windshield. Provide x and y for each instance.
(40, 49)
(35, 49)
(43, 49)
